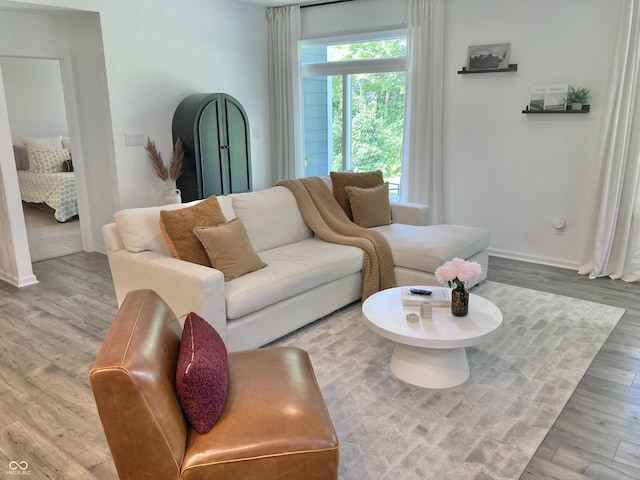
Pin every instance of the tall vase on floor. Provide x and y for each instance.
(460, 301)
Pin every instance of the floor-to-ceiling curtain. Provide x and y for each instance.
(421, 180)
(615, 250)
(284, 93)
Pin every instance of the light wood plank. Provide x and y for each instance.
(45, 459)
(605, 389)
(629, 454)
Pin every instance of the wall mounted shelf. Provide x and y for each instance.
(585, 109)
(513, 67)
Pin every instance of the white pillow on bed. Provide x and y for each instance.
(41, 143)
(49, 161)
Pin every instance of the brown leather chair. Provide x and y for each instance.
(274, 425)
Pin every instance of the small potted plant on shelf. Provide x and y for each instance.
(577, 97)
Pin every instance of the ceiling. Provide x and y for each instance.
(8, 6)
(270, 3)
(280, 3)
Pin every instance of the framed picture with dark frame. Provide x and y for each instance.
(488, 57)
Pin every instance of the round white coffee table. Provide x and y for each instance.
(431, 353)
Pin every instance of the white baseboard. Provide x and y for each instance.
(552, 262)
(19, 282)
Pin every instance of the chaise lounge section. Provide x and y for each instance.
(305, 277)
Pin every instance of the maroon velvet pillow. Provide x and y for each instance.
(203, 373)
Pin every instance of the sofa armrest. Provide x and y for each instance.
(409, 213)
(184, 286)
(112, 240)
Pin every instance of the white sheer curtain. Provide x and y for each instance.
(615, 251)
(284, 93)
(421, 180)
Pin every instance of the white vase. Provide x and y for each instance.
(172, 196)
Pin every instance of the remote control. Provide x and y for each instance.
(419, 291)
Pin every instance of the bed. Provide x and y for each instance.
(53, 188)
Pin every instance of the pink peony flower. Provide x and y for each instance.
(457, 271)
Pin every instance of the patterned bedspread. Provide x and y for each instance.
(58, 190)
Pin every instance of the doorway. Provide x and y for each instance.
(36, 109)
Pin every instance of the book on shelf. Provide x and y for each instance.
(440, 297)
(536, 98)
(555, 97)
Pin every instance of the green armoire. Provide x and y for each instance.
(214, 131)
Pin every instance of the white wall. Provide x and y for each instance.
(508, 172)
(14, 261)
(39, 35)
(35, 102)
(514, 173)
(155, 54)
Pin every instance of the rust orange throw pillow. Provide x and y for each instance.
(177, 228)
(340, 180)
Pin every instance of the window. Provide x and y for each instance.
(354, 105)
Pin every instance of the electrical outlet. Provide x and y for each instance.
(133, 139)
(560, 226)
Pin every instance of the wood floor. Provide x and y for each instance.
(50, 333)
(597, 435)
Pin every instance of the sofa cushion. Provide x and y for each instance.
(177, 228)
(340, 180)
(271, 217)
(229, 249)
(425, 248)
(291, 269)
(139, 228)
(370, 206)
(202, 373)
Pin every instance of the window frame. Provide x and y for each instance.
(346, 68)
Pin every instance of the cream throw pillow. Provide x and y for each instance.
(229, 249)
(370, 206)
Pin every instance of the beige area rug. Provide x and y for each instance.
(487, 428)
(47, 237)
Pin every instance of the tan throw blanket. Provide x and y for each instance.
(328, 221)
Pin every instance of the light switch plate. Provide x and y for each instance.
(133, 139)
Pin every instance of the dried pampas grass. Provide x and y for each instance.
(175, 166)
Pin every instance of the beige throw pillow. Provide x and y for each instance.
(370, 206)
(177, 228)
(340, 180)
(229, 249)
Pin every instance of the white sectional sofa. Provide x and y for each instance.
(305, 278)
